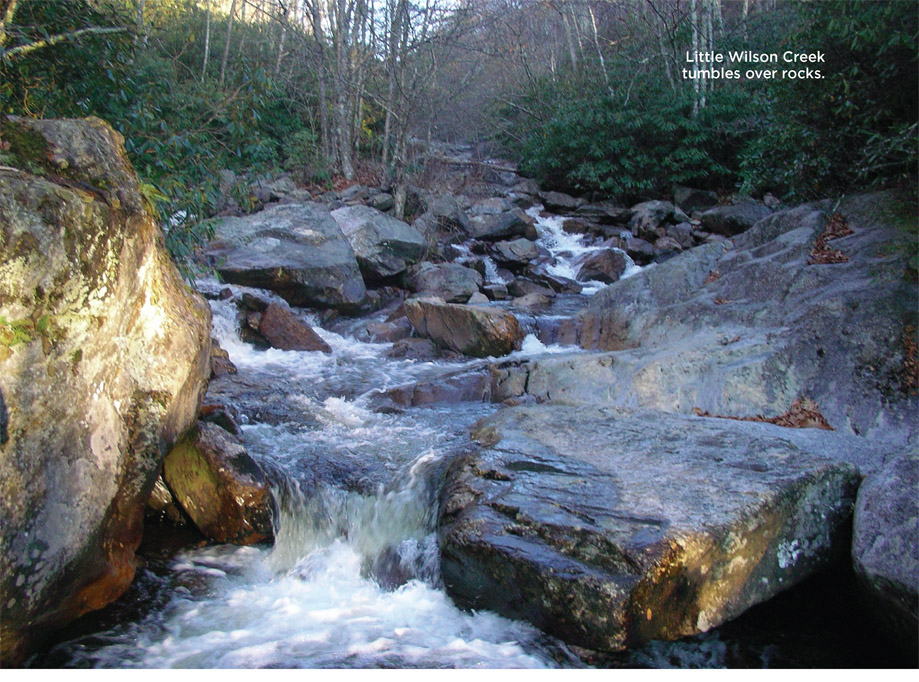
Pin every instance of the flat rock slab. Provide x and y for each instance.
(608, 527)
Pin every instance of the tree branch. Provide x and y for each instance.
(21, 50)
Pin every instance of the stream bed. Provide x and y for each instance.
(353, 578)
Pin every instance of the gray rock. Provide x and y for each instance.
(746, 327)
(466, 329)
(692, 200)
(885, 547)
(449, 214)
(450, 281)
(558, 202)
(494, 226)
(110, 361)
(604, 266)
(354, 194)
(381, 202)
(295, 250)
(731, 220)
(648, 216)
(609, 528)
(515, 253)
(606, 213)
(477, 298)
(384, 246)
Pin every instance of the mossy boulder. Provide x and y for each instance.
(220, 487)
(103, 359)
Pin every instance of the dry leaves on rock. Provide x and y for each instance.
(822, 254)
(804, 413)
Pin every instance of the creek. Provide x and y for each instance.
(353, 578)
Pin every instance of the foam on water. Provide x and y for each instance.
(569, 250)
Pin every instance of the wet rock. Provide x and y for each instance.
(522, 286)
(495, 226)
(220, 487)
(414, 349)
(450, 281)
(383, 245)
(470, 330)
(731, 220)
(515, 253)
(285, 331)
(558, 202)
(609, 528)
(604, 266)
(111, 361)
(387, 332)
(885, 548)
(296, 250)
(461, 387)
(162, 506)
(606, 213)
(495, 292)
(648, 216)
(220, 361)
(558, 284)
(639, 250)
(532, 301)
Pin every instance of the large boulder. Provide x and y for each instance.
(295, 250)
(691, 200)
(515, 253)
(731, 220)
(466, 329)
(603, 266)
(501, 225)
(559, 202)
(885, 548)
(220, 487)
(608, 527)
(450, 281)
(648, 216)
(384, 246)
(282, 329)
(103, 358)
(746, 327)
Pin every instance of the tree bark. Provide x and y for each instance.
(207, 41)
(226, 47)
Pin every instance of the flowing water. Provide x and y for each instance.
(353, 577)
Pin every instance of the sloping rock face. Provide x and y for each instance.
(467, 329)
(384, 246)
(746, 326)
(296, 250)
(220, 486)
(885, 548)
(103, 358)
(609, 528)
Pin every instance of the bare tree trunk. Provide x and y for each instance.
(226, 47)
(283, 22)
(696, 86)
(207, 41)
(593, 24)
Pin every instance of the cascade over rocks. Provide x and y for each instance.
(466, 329)
(609, 527)
(109, 362)
(296, 250)
(384, 246)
